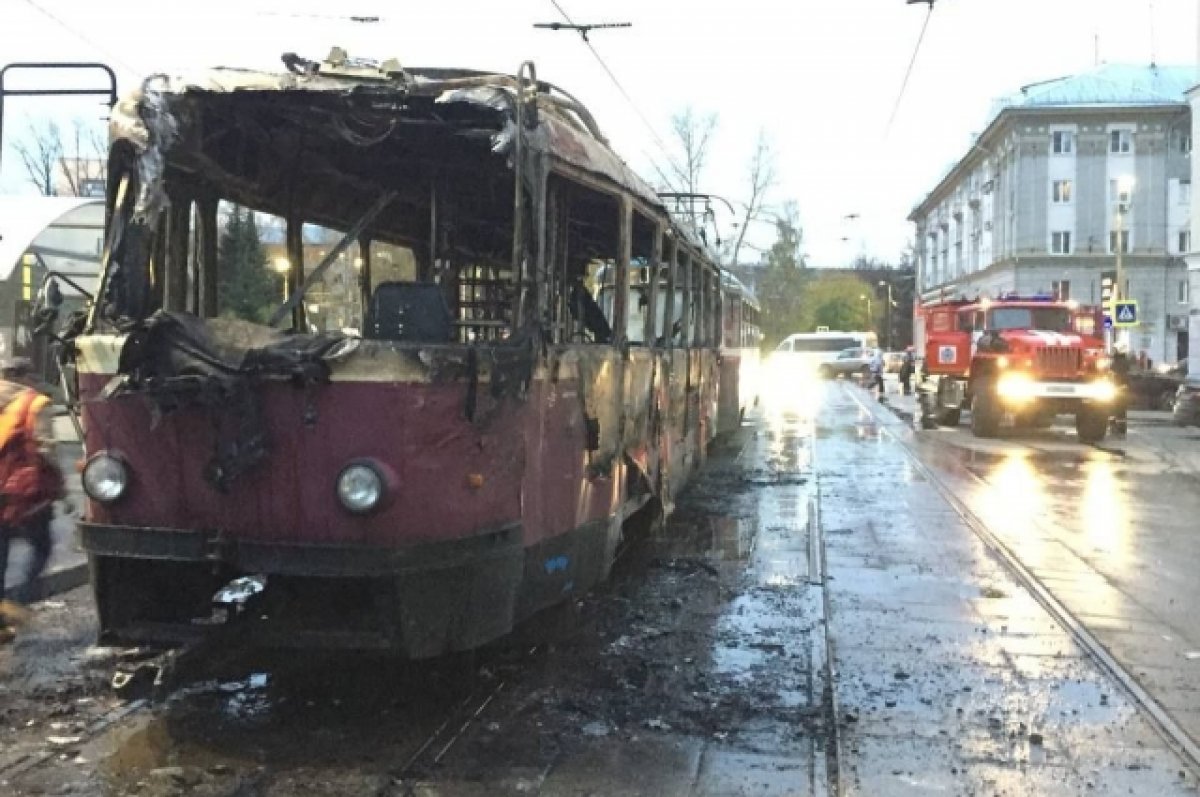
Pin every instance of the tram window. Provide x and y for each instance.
(637, 308)
(683, 299)
(731, 322)
(250, 244)
(697, 303)
(391, 263)
(583, 260)
(335, 302)
(661, 286)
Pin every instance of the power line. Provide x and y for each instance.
(77, 34)
(912, 61)
(641, 116)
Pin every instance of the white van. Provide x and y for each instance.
(809, 350)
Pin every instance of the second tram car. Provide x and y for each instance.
(405, 408)
(740, 364)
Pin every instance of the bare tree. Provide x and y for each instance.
(79, 157)
(762, 177)
(40, 151)
(693, 132)
(84, 158)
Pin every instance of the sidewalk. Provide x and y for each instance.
(951, 677)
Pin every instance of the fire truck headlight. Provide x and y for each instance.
(359, 488)
(1015, 387)
(1103, 363)
(1104, 390)
(105, 478)
(1001, 361)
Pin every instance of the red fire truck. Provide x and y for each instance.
(1027, 359)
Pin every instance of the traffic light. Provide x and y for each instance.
(1108, 290)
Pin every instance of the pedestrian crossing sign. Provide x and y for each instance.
(1125, 314)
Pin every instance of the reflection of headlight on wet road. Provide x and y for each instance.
(790, 385)
(1016, 387)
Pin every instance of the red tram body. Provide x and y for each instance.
(455, 445)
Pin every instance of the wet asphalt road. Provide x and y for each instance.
(816, 619)
(1111, 533)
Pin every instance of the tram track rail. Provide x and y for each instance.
(149, 680)
(1160, 719)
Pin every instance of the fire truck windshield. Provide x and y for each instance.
(1053, 319)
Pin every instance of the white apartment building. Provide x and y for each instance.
(1066, 171)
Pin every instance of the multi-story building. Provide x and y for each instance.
(1067, 171)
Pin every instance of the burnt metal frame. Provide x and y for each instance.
(110, 92)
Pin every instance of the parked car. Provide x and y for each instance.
(1153, 390)
(848, 363)
(1187, 405)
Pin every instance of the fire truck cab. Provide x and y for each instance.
(1019, 359)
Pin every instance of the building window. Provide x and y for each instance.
(1060, 243)
(1112, 241)
(1060, 192)
(1185, 192)
(1116, 194)
(1185, 241)
(1062, 142)
(1120, 142)
(1183, 291)
(1062, 290)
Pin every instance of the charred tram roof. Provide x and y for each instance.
(322, 141)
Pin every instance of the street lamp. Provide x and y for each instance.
(867, 299)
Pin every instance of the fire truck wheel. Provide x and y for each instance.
(949, 417)
(985, 413)
(1091, 424)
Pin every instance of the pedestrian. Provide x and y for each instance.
(877, 372)
(907, 366)
(30, 483)
(1120, 372)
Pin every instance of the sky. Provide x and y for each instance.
(820, 77)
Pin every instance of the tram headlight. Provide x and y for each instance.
(359, 488)
(105, 478)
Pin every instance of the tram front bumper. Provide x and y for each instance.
(421, 601)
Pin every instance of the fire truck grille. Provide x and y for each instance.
(1059, 360)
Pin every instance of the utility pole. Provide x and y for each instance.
(887, 337)
(1124, 185)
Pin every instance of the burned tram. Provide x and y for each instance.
(487, 346)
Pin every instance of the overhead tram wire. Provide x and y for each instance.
(79, 35)
(911, 63)
(629, 99)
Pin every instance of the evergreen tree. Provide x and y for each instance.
(781, 288)
(246, 289)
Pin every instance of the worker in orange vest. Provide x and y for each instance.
(30, 483)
